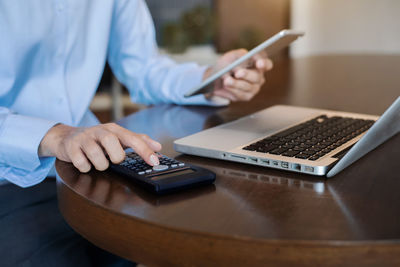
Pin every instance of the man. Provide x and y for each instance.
(52, 57)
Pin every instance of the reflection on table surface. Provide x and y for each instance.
(237, 193)
(172, 121)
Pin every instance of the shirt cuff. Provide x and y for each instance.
(20, 139)
(25, 178)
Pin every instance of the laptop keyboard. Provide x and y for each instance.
(312, 139)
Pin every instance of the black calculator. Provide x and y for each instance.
(170, 175)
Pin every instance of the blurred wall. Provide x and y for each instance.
(346, 26)
(165, 11)
(247, 23)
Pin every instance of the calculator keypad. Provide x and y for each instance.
(136, 164)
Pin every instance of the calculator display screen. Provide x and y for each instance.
(171, 174)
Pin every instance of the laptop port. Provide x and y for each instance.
(275, 163)
(285, 164)
(253, 160)
(265, 161)
(309, 169)
(238, 157)
(296, 167)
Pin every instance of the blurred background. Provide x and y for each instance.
(200, 30)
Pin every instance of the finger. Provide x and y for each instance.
(219, 84)
(111, 145)
(154, 145)
(84, 184)
(243, 95)
(78, 159)
(251, 76)
(238, 84)
(132, 140)
(260, 55)
(100, 191)
(233, 55)
(95, 154)
(225, 94)
(264, 64)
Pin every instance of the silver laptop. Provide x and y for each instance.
(298, 139)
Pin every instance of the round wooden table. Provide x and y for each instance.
(255, 216)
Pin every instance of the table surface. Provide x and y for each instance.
(254, 215)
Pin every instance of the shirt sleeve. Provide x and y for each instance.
(20, 137)
(134, 59)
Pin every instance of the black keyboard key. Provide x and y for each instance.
(315, 157)
(297, 148)
(288, 146)
(308, 152)
(290, 153)
(314, 149)
(250, 148)
(278, 142)
(278, 151)
(302, 156)
(266, 149)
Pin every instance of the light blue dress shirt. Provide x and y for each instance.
(52, 55)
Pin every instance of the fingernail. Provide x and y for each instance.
(240, 74)
(154, 160)
(260, 64)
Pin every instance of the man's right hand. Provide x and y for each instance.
(85, 147)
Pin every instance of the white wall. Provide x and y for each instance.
(346, 26)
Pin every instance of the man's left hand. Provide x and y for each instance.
(242, 83)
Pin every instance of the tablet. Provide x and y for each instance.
(273, 44)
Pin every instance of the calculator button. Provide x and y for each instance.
(181, 164)
(141, 173)
(148, 171)
(160, 167)
(174, 165)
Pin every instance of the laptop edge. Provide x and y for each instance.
(213, 142)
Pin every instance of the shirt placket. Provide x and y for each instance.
(61, 100)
